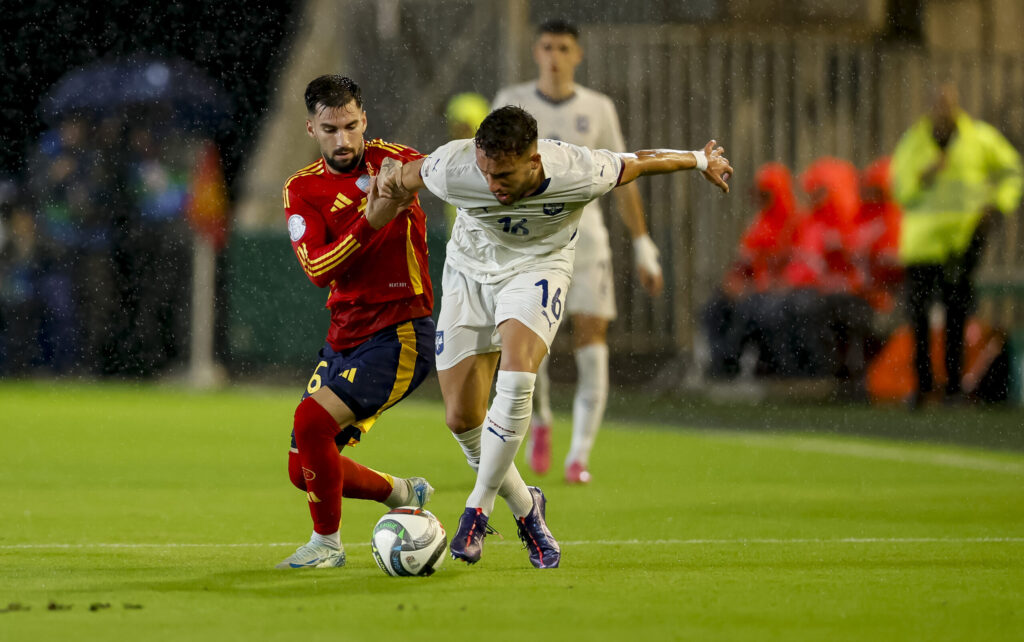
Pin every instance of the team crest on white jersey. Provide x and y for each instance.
(553, 208)
(296, 227)
(582, 124)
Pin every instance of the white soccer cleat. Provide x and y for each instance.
(313, 555)
(417, 492)
(422, 491)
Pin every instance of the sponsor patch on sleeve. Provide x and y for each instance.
(296, 227)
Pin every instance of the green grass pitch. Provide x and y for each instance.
(141, 513)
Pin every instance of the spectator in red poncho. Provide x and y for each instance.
(764, 249)
(825, 319)
(751, 286)
(877, 237)
(822, 257)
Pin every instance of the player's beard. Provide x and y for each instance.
(344, 168)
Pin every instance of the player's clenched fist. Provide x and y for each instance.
(380, 209)
(389, 180)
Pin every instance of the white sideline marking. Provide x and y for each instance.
(807, 540)
(906, 454)
(596, 542)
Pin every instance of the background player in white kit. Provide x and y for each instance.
(578, 115)
(509, 262)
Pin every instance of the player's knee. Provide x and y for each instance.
(313, 422)
(514, 394)
(295, 471)
(460, 420)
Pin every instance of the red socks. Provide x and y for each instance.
(360, 482)
(321, 468)
(324, 474)
(365, 483)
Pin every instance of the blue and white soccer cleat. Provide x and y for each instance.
(313, 555)
(533, 530)
(414, 491)
(468, 541)
(422, 491)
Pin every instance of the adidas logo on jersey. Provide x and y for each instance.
(341, 201)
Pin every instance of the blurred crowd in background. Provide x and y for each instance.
(815, 277)
(825, 273)
(95, 258)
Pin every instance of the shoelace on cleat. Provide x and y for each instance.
(488, 530)
(524, 535)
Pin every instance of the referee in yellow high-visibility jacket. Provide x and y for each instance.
(953, 176)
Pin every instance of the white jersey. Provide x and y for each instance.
(587, 118)
(491, 241)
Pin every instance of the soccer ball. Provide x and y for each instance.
(409, 541)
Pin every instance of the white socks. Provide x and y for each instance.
(591, 399)
(506, 425)
(401, 493)
(542, 395)
(513, 489)
(470, 442)
(333, 540)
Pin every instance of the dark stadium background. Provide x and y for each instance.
(241, 47)
(244, 49)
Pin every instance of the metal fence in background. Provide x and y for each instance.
(790, 99)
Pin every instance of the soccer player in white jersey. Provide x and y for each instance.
(581, 116)
(508, 266)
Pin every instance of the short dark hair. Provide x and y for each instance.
(559, 26)
(332, 90)
(509, 130)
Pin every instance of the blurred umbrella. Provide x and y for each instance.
(194, 99)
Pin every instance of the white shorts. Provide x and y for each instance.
(592, 292)
(471, 311)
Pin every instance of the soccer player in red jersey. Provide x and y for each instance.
(371, 252)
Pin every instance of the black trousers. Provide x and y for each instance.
(951, 283)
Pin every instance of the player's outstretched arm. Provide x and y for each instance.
(400, 180)
(711, 162)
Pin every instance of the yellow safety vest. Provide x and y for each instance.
(982, 169)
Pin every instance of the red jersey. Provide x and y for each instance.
(377, 278)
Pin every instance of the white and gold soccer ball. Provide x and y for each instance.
(409, 541)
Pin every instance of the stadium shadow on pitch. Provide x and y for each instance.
(276, 583)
